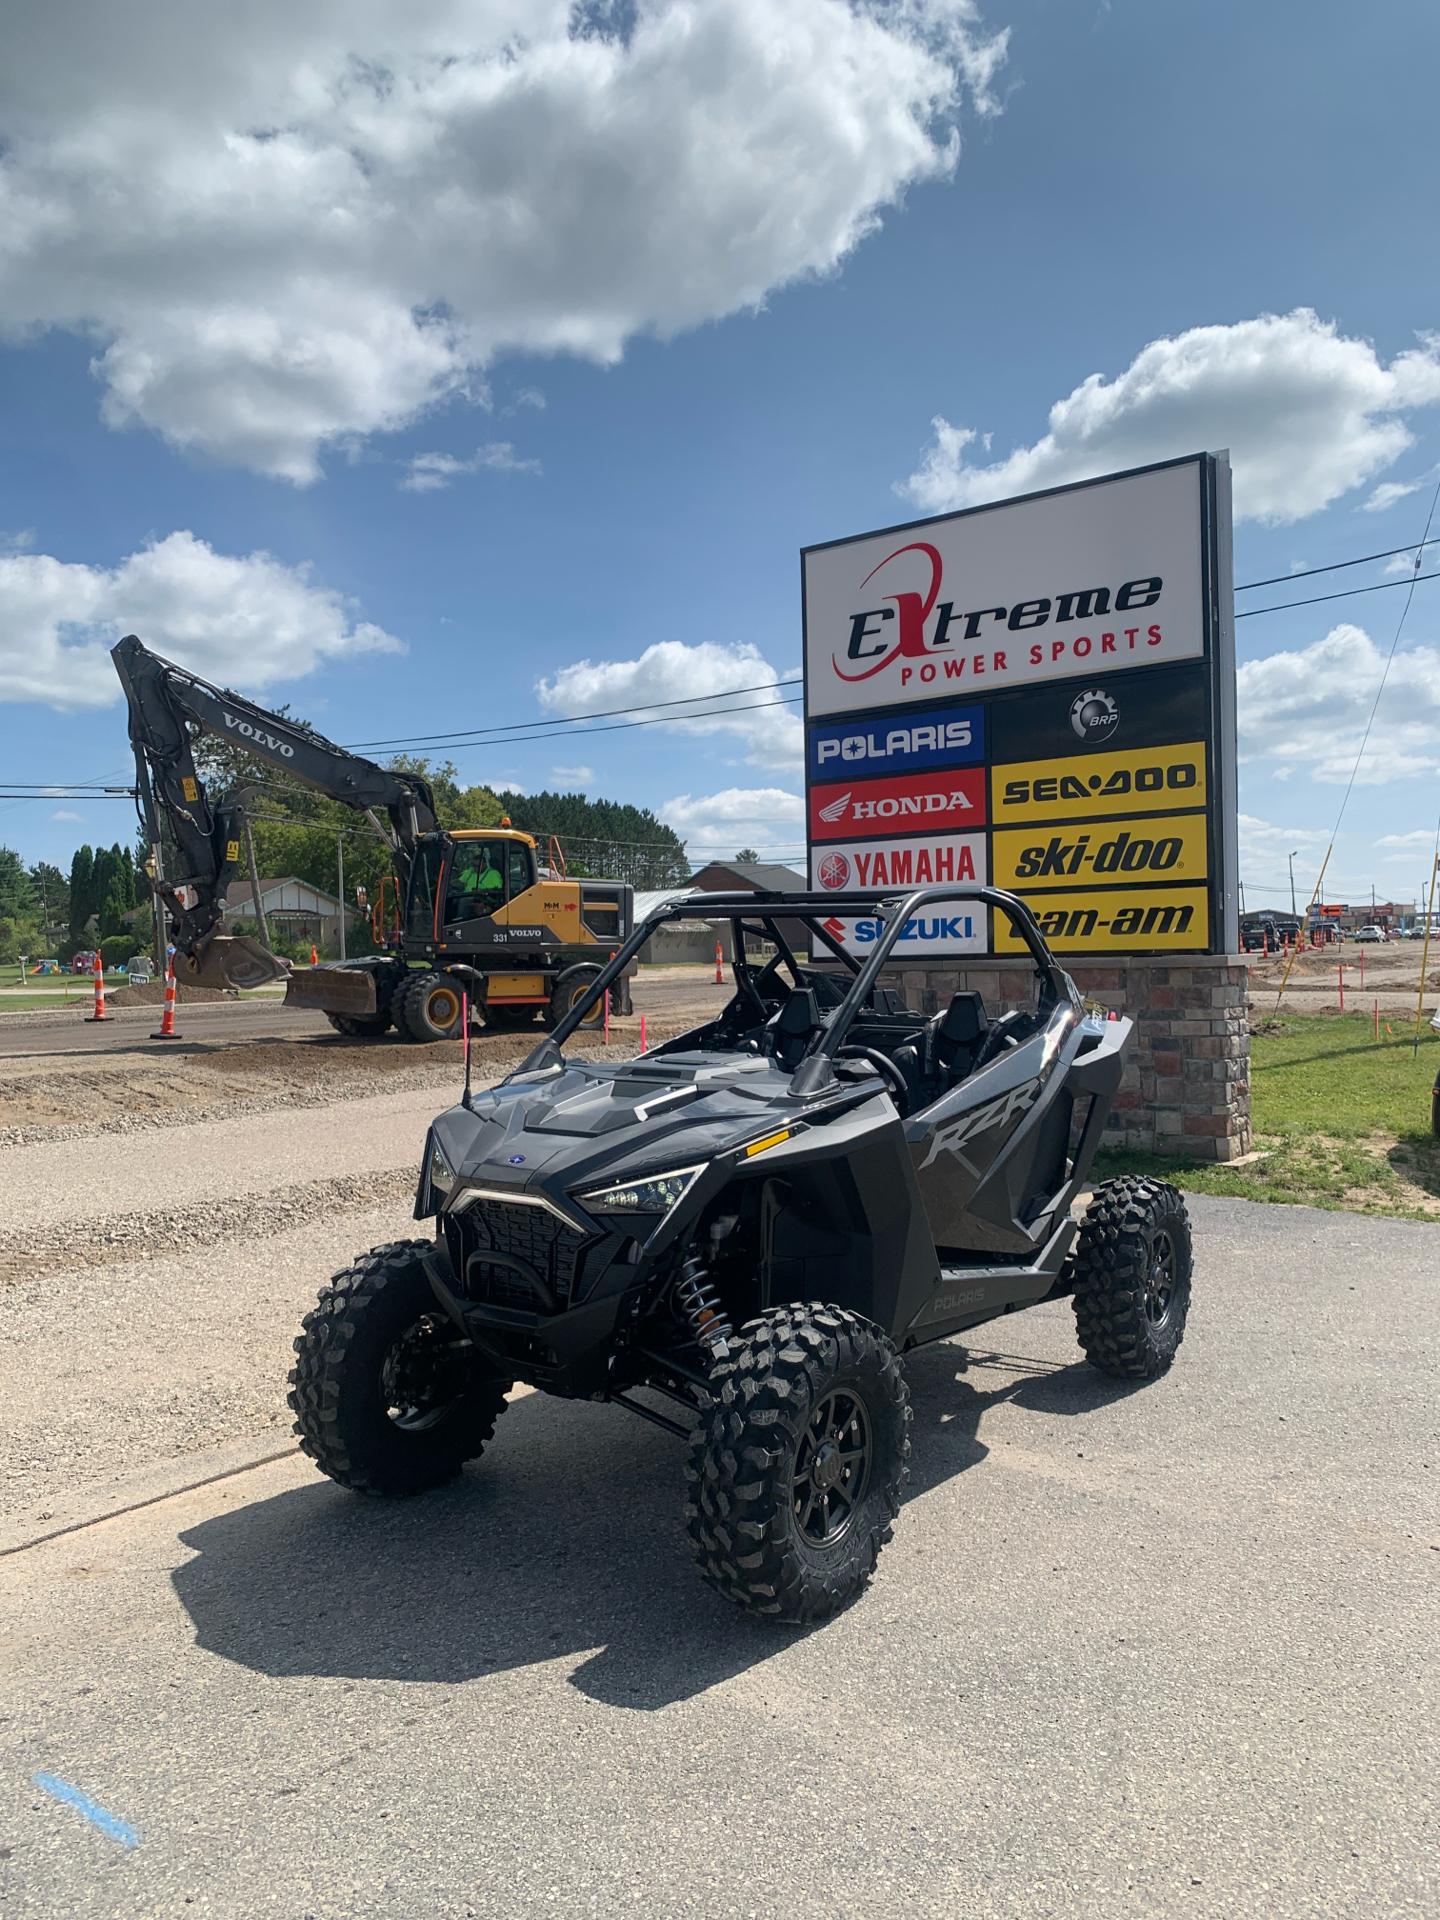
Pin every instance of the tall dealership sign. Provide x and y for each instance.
(1039, 693)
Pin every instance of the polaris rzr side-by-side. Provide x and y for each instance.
(753, 1223)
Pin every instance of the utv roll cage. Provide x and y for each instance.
(763, 915)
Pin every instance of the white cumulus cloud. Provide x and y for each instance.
(1306, 413)
(287, 224)
(715, 826)
(246, 621)
(672, 671)
(1310, 706)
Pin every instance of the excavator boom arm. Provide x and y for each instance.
(162, 699)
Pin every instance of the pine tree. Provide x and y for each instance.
(82, 884)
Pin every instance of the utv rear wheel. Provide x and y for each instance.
(1132, 1266)
(795, 1469)
(367, 1026)
(428, 1007)
(389, 1398)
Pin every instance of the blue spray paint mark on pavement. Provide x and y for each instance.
(112, 1827)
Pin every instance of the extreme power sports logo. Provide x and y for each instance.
(907, 622)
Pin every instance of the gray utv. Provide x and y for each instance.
(753, 1223)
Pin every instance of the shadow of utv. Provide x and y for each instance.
(565, 1541)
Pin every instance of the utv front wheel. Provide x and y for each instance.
(796, 1468)
(389, 1398)
(1132, 1266)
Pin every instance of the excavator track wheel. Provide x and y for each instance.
(429, 1007)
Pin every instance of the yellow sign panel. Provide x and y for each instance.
(1138, 781)
(1103, 920)
(1170, 846)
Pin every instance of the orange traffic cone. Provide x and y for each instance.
(314, 956)
(99, 1013)
(167, 1018)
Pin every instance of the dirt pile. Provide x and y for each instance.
(153, 995)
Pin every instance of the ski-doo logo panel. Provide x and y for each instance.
(1155, 848)
(951, 737)
(917, 803)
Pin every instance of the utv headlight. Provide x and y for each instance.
(656, 1194)
(442, 1174)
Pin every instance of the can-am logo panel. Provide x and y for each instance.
(949, 737)
(915, 803)
(1143, 780)
(1101, 920)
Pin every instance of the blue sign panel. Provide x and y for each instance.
(845, 749)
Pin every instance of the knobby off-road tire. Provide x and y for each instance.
(1132, 1265)
(428, 1007)
(388, 1398)
(368, 1026)
(796, 1467)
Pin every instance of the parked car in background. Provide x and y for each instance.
(1371, 933)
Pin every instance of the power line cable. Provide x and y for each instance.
(1349, 594)
(1304, 573)
(578, 719)
(1365, 737)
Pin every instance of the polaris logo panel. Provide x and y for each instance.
(951, 737)
(915, 803)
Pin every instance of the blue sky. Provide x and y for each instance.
(647, 309)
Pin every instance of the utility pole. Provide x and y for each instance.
(340, 869)
(255, 885)
(1292, 880)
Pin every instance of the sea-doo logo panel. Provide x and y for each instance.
(1144, 780)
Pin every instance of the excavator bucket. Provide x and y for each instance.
(348, 991)
(230, 960)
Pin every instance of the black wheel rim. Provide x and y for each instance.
(832, 1467)
(1160, 1280)
(424, 1375)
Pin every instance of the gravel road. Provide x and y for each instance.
(1155, 1652)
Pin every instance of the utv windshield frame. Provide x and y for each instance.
(764, 912)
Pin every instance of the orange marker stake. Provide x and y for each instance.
(642, 1033)
(719, 964)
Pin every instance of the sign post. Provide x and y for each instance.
(1039, 693)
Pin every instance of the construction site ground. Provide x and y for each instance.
(1386, 971)
(228, 1687)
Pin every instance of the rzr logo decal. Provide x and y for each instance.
(998, 1112)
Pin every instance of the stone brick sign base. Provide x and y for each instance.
(1187, 1079)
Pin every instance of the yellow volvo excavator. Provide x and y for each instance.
(474, 913)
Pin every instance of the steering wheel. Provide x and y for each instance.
(895, 1081)
(1001, 1036)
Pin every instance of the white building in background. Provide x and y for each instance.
(293, 908)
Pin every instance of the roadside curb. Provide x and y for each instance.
(144, 1488)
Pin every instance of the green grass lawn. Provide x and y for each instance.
(1341, 1121)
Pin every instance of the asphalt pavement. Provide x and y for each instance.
(1151, 1651)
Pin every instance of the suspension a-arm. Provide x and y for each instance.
(166, 703)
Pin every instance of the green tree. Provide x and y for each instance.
(747, 856)
(19, 909)
(603, 837)
(52, 894)
(82, 885)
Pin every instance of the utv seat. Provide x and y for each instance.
(946, 1051)
(789, 1032)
